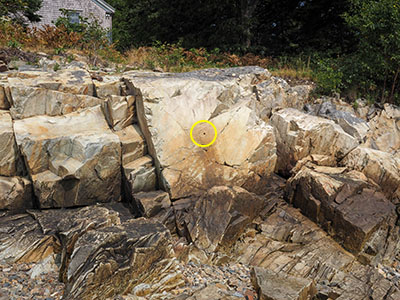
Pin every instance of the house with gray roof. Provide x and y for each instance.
(92, 9)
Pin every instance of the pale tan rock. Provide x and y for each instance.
(243, 153)
(140, 175)
(15, 194)
(299, 135)
(8, 147)
(275, 94)
(74, 81)
(119, 111)
(385, 130)
(4, 104)
(73, 159)
(212, 292)
(133, 145)
(110, 86)
(272, 286)
(31, 101)
(381, 167)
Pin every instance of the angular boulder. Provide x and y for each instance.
(272, 286)
(119, 111)
(214, 220)
(132, 144)
(381, 167)
(276, 93)
(385, 130)
(32, 101)
(9, 155)
(346, 206)
(170, 104)
(73, 160)
(149, 204)
(23, 240)
(114, 260)
(299, 135)
(356, 127)
(15, 194)
(4, 104)
(73, 81)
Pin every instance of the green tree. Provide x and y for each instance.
(376, 24)
(21, 10)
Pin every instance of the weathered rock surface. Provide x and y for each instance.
(381, 167)
(140, 176)
(22, 240)
(119, 111)
(112, 260)
(275, 94)
(168, 106)
(32, 101)
(4, 104)
(132, 144)
(8, 147)
(272, 286)
(347, 207)
(299, 135)
(150, 204)
(77, 166)
(109, 86)
(15, 194)
(290, 244)
(385, 130)
(74, 81)
(356, 127)
(214, 220)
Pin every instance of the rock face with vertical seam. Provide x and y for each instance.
(73, 160)
(168, 105)
(299, 135)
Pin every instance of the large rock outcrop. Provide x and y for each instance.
(214, 220)
(381, 167)
(299, 135)
(347, 207)
(73, 159)
(168, 107)
(113, 260)
(8, 147)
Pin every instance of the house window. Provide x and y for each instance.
(73, 17)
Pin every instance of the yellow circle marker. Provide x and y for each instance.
(191, 133)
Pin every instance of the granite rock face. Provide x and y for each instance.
(353, 211)
(168, 107)
(78, 166)
(381, 167)
(8, 148)
(272, 286)
(15, 194)
(30, 101)
(299, 135)
(109, 261)
(214, 220)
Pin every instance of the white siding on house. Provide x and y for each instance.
(50, 11)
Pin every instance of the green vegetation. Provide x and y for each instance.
(351, 47)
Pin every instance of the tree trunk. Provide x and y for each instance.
(394, 85)
(247, 8)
